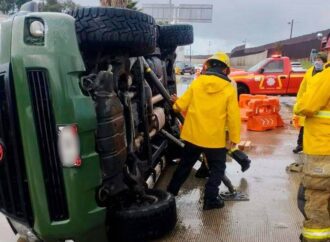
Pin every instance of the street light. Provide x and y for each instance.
(291, 23)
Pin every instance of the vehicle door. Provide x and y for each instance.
(274, 80)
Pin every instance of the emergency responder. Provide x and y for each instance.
(320, 61)
(203, 170)
(211, 105)
(314, 193)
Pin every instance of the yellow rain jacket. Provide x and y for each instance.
(315, 105)
(305, 84)
(211, 105)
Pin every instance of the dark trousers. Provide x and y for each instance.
(300, 137)
(216, 158)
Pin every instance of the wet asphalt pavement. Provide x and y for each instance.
(271, 215)
(6, 234)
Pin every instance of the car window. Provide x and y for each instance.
(274, 67)
(257, 66)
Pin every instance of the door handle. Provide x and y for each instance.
(283, 77)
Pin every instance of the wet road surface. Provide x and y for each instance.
(6, 234)
(271, 215)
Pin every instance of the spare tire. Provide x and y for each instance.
(144, 223)
(115, 30)
(175, 35)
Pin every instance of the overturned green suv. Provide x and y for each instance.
(86, 125)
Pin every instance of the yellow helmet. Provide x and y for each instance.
(222, 57)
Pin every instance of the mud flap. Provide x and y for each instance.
(234, 196)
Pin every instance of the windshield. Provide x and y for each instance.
(257, 66)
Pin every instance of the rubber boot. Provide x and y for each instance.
(241, 158)
(213, 203)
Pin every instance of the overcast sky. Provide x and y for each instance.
(254, 21)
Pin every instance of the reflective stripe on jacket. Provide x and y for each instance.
(322, 114)
(317, 234)
(211, 105)
(315, 105)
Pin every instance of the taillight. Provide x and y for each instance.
(68, 146)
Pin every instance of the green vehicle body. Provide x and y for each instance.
(61, 60)
(86, 124)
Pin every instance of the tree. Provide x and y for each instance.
(132, 5)
(114, 3)
(6, 6)
(11, 6)
(19, 3)
(59, 5)
(69, 4)
(53, 6)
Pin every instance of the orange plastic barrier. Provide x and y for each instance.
(264, 114)
(244, 100)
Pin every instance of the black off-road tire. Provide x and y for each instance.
(144, 223)
(175, 35)
(115, 30)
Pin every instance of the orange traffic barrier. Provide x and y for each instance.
(264, 114)
(244, 100)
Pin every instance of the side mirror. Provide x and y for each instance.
(262, 70)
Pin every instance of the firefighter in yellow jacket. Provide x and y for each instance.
(314, 194)
(211, 105)
(320, 62)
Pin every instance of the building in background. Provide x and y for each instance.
(298, 49)
(196, 59)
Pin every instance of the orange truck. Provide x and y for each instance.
(276, 75)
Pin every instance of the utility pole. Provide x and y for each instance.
(171, 14)
(291, 23)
